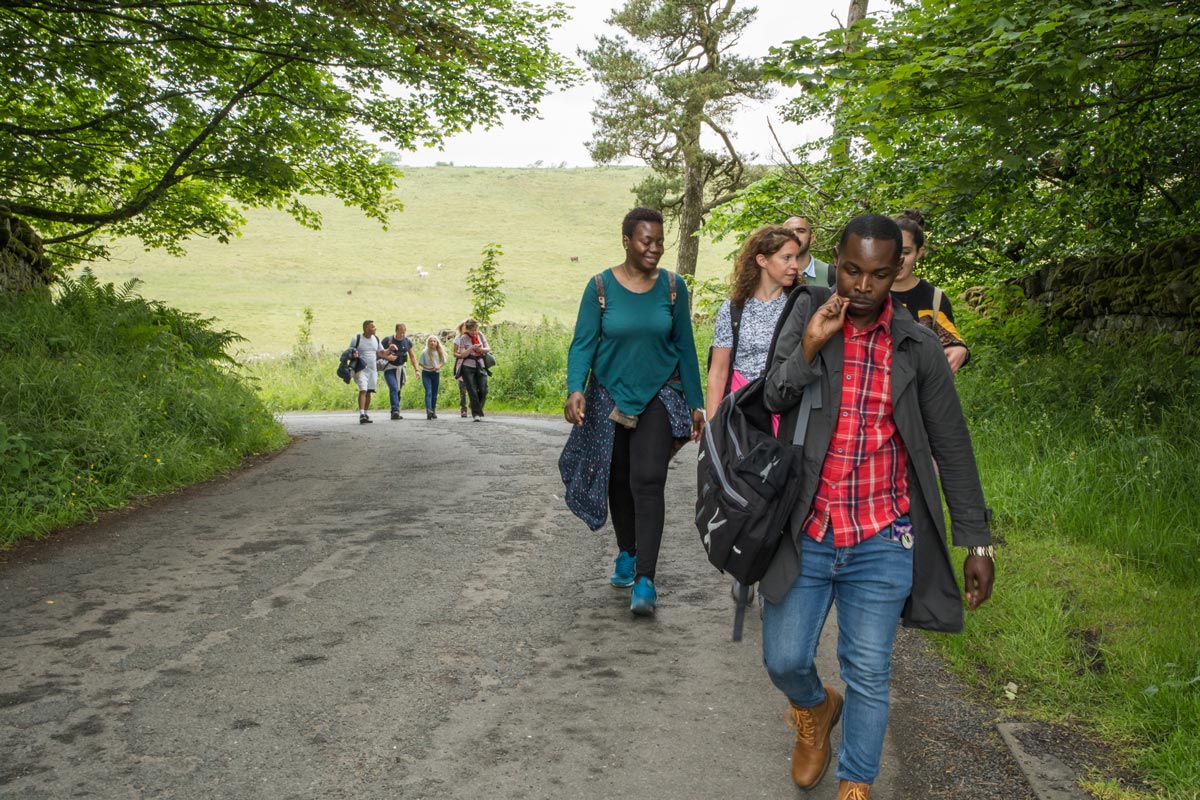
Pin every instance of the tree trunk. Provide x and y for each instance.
(858, 10)
(690, 217)
(691, 211)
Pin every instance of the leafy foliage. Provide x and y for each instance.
(1024, 130)
(661, 93)
(159, 119)
(484, 281)
(106, 396)
(1087, 455)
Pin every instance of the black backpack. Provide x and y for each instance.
(748, 481)
(349, 363)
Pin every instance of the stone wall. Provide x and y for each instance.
(1149, 292)
(24, 266)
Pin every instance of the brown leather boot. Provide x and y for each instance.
(810, 756)
(849, 790)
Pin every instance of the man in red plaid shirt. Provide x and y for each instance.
(868, 532)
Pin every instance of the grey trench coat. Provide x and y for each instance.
(930, 422)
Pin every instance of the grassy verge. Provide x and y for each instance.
(105, 397)
(1088, 457)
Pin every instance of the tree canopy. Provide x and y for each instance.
(159, 119)
(1022, 129)
(675, 80)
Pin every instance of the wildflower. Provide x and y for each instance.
(158, 461)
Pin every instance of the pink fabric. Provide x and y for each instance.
(737, 382)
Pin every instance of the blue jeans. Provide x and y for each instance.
(393, 379)
(870, 583)
(431, 380)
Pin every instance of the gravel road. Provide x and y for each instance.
(408, 610)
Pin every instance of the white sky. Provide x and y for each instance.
(566, 123)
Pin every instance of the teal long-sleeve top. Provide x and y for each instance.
(638, 346)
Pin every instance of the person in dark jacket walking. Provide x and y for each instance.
(867, 533)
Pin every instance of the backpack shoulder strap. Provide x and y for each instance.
(814, 297)
(598, 279)
(735, 322)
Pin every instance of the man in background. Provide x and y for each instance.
(815, 271)
(393, 364)
(366, 346)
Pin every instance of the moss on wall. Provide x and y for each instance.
(24, 266)
(1149, 292)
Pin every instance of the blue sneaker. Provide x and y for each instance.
(643, 597)
(623, 571)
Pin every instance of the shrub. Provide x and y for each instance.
(106, 396)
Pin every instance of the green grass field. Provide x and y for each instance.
(352, 269)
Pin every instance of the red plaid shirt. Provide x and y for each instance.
(863, 486)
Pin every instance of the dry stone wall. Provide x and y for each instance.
(1149, 292)
(24, 266)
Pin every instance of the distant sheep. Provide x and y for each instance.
(574, 259)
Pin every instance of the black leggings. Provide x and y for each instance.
(476, 383)
(636, 485)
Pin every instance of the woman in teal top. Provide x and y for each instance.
(633, 338)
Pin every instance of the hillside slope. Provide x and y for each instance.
(352, 269)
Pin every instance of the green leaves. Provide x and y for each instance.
(157, 119)
(1023, 129)
(484, 281)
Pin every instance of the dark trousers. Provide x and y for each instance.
(636, 485)
(477, 388)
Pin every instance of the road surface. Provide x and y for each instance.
(397, 610)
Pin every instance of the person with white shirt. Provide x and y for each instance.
(367, 347)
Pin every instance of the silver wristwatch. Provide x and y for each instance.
(986, 551)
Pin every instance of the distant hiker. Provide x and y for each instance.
(469, 348)
(927, 303)
(763, 274)
(367, 347)
(394, 373)
(432, 359)
(462, 387)
(813, 270)
(633, 355)
(867, 533)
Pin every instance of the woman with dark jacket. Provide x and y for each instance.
(634, 395)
